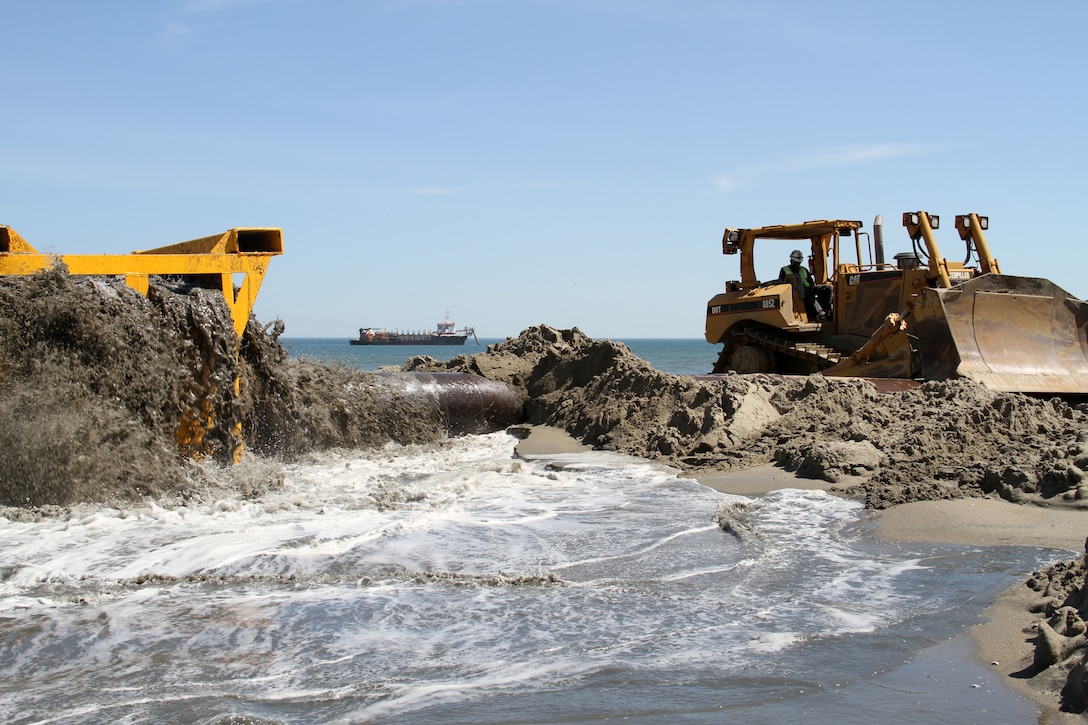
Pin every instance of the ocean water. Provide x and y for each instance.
(458, 583)
(679, 357)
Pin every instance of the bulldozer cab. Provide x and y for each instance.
(822, 237)
(795, 284)
(819, 241)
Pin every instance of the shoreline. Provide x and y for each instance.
(1000, 642)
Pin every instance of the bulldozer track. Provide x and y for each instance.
(818, 355)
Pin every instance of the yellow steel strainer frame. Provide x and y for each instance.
(244, 251)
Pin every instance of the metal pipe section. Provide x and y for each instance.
(470, 403)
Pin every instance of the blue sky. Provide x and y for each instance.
(517, 162)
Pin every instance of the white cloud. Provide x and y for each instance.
(396, 4)
(828, 157)
(173, 32)
(200, 6)
(846, 155)
(432, 190)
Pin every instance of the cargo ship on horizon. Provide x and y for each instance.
(444, 334)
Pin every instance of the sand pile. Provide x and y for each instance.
(96, 379)
(88, 368)
(946, 439)
(1060, 659)
(295, 407)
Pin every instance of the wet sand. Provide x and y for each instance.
(986, 522)
(1003, 641)
(542, 440)
(758, 481)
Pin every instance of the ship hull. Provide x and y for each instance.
(393, 339)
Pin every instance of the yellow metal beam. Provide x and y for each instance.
(10, 241)
(970, 227)
(920, 226)
(244, 250)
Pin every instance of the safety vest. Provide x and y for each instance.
(802, 272)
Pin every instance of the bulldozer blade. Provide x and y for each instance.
(1019, 334)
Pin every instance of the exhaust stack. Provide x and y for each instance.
(878, 240)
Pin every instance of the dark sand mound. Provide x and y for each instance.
(96, 379)
(945, 439)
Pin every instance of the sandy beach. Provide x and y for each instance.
(1002, 640)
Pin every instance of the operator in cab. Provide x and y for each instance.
(805, 285)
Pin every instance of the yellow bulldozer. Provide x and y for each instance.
(921, 317)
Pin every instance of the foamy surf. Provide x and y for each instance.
(459, 583)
